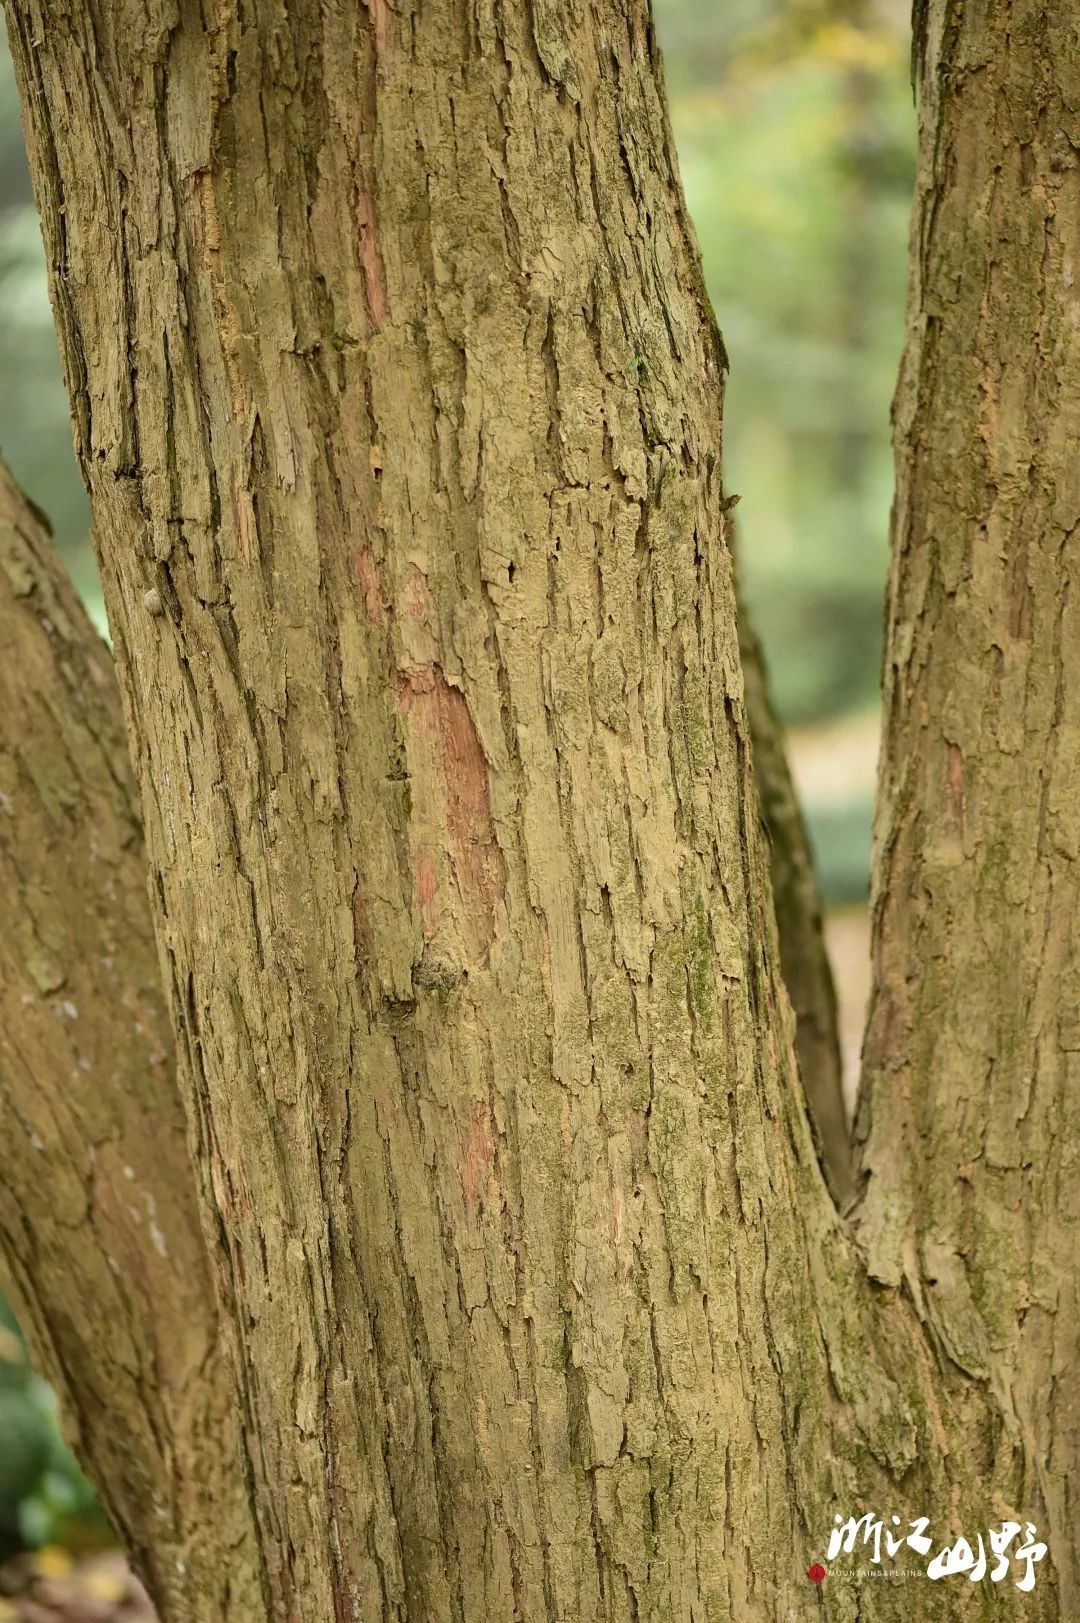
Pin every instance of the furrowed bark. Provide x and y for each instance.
(804, 958)
(99, 1226)
(971, 1094)
(399, 410)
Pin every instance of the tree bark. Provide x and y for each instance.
(103, 1255)
(971, 1106)
(398, 402)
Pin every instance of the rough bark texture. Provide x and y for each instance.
(399, 407)
(804, 959)
(102, 1248)
(971, 1095)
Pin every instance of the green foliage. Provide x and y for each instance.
(840, 837)
(796, 133)
(44, 1497)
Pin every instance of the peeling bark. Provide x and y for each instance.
(102, 1250)
(395, 391)
(969, 1119)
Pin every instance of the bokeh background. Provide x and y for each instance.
(795, 128)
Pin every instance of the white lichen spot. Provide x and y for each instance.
(129, 1172)
(159, 1240)
(69, 1009)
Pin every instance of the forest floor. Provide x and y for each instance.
(52, 1586)
(847, 934)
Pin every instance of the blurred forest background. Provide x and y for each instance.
(795, 128)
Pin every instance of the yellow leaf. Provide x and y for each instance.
(10, 1347)
(106, 1586)
(850, 47)
(52, 1562)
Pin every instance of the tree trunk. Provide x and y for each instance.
(103, 1255)
(398, 402)
(971, 1101)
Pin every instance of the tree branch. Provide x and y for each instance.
(105, 1263)
(804, 959)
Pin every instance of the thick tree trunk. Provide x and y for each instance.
(102, 1249)
(399, 407)
(971, 1102)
